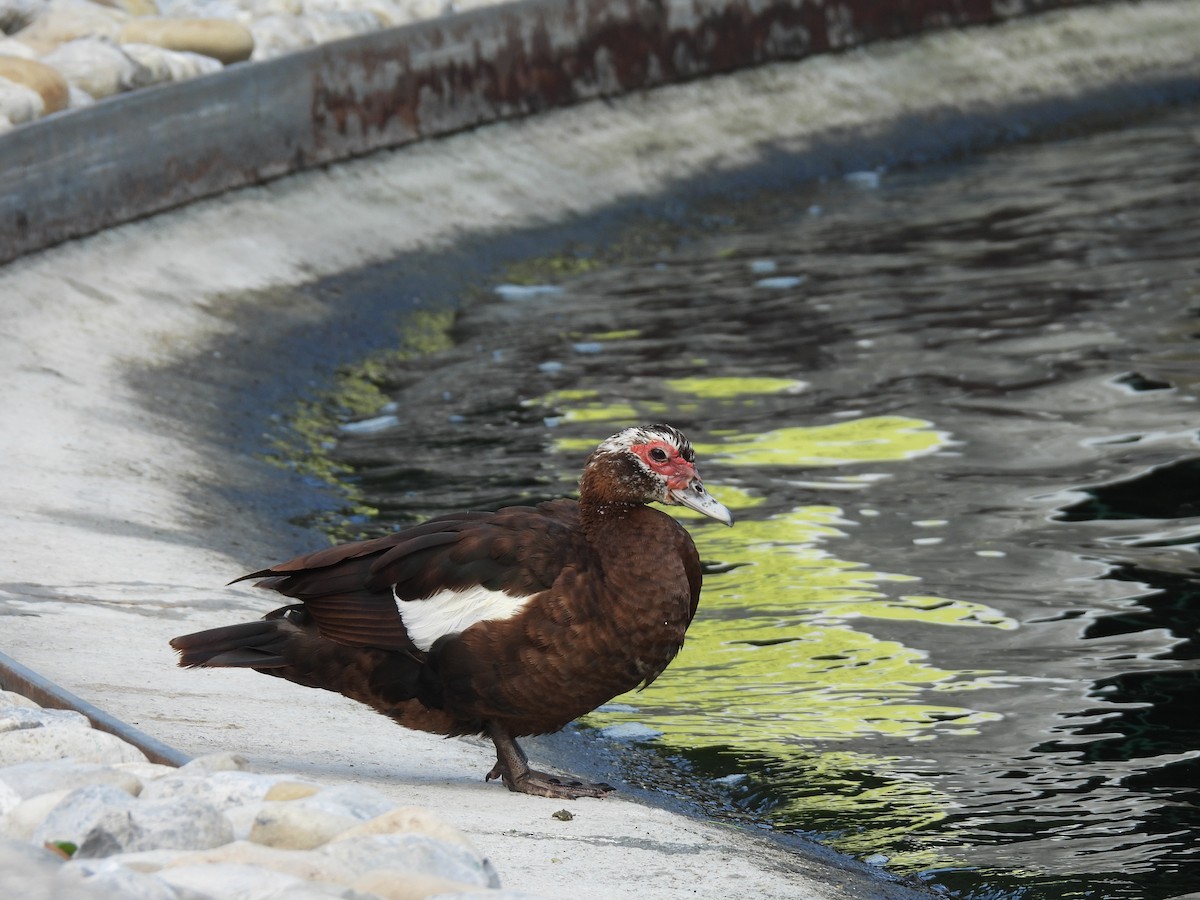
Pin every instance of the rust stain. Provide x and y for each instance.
(528, 57)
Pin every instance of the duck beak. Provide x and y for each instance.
(694, 496)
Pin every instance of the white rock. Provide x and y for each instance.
(179, 824)
(431, 9)
(216, 762)
(9, 798)
(320, 891)
(333, 24)
(409, 820)
(12, 698)
(228, 42)
(290, 789)
(171, 65)
(228, 881)
(17, 14)
(81, 744)
(415, 853)
(260, 8)
(60, 21)
(145, 861)
(144, 771)
(78, 97)
(242, 819)
(279, 34)
(222, 790)
(10, 47)
(294, 826)
(17, 718)
(27, 816)
(233, 10)
(114, 879)
(33, 778)
(29, 873)
(76, 815)
(19, 104)
(402, 885)
(309, 7)
(391, 15)
(17, 854)
(98, 66)
(352, 800)
(306, 866)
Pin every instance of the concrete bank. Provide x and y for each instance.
(120, 520)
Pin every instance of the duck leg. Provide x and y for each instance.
(512, 767)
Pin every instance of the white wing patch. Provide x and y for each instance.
(452, 612)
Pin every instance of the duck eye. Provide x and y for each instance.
(658, 454)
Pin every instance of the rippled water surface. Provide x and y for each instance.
(955, 414)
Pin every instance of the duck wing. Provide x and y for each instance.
(404, 591)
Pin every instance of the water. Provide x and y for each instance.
(955, 628)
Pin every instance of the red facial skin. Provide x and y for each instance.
(677, 471)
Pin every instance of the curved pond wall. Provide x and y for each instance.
(76, 173)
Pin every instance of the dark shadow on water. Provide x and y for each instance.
(1169, 492)
(1172, 604)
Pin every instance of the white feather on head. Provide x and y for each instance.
(647, 434)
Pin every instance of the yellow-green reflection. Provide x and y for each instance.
(774, 640)
(872, 439)
(781, 661)
(728, 388)
(583, 406)
(844, 803)
(312, 424)
(867, 439)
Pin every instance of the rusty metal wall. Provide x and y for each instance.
(140, 153)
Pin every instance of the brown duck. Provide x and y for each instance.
(505, 623)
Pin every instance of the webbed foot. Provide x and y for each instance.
(543, 784)
(512, 767)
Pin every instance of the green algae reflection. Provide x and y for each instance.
(781, 662)
(872, 439)
(311, 425)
